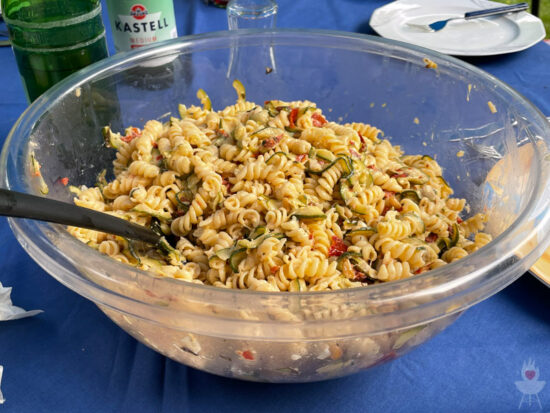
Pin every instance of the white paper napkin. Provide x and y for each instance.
(2, 400)
(10, 312)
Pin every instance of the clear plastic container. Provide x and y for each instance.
(293, 337)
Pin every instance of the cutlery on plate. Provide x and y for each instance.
(20, 205)
(438, 25)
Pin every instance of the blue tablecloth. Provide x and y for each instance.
(71, 358)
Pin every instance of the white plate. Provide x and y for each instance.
(478, 37)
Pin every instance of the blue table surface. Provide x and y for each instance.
(71, 358)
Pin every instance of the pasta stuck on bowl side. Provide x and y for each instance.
(277, 198)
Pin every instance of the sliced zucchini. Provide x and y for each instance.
(302, 199)
(100, 180)
(144, 209)
(309, 212)
(112, 139)
(256, 232)
(406, 336)
(236, 258)
(348, 255)
(345, 193)
(74, 189)
(363, 267)
(165, 247)
(348, 223)
(278, 154)
(417, 177)
(182, 199)
(292, 130)
(223, 254)
(348, 167)
(411, 194)
(443, 183)
(256, 242)
(360, 210)
(443, 244)
(454, 235)
(263, 129)
(356, 259)
(419, 221)
(427, 157)
(271, 109)
(324, 154)
(305, 110)
(205, 99)
(192, 183)
(295, 285)
(132, 251)
(366, 231)
(362, 174)
(239, 88)
(269, 203)
(35, 171)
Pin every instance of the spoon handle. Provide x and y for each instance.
(20, 205)
(495, 11)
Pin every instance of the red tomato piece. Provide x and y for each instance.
(421, 270)
(363, 143)
(354, 153)
(318, 120)
(134, 133)
(431, 237)
(227, 184)
(271, 142)
(337, 247)
(293, 117)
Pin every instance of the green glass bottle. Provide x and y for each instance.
(53, 38)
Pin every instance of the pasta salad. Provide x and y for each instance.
(275, 197)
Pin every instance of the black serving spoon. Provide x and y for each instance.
(20, 205)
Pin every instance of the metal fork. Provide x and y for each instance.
(438, 25)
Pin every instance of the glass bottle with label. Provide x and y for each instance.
(137, 23)
(52, 39)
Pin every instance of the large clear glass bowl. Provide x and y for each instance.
(291, 337)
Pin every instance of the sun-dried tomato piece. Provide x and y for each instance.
(431, 237)
(337, 247)
(318, 120)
